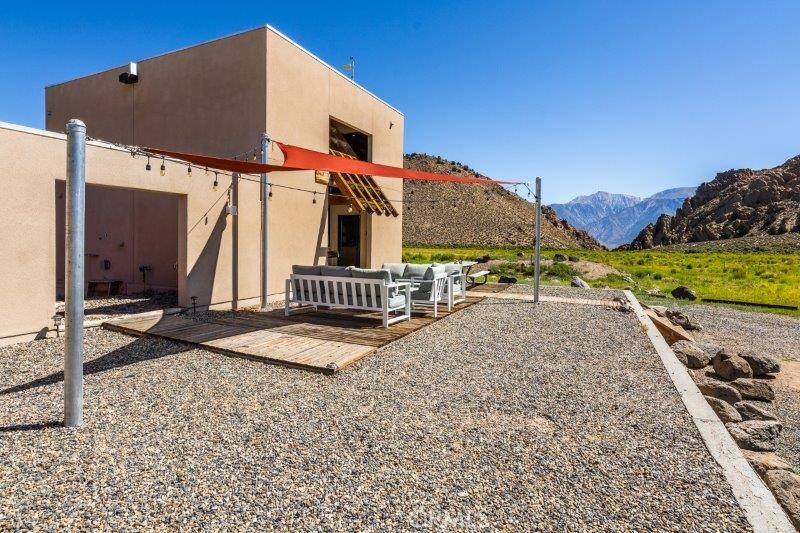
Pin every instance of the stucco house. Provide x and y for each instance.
(175, 230)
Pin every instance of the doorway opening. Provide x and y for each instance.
(347, 220)
(349, 233)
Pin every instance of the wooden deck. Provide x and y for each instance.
(322, 341)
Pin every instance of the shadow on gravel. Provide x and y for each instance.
(141, 349)
(30, 427)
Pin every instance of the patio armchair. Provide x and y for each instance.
(455, 287)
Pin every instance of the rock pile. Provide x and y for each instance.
(737, 387)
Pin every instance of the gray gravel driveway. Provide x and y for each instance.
(501, 416)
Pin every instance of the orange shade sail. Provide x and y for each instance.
(296, 158)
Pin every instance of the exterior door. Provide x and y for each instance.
(349, 233)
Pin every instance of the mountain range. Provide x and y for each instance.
(616, 219)
(738, 203)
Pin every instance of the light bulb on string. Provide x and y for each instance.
(163, 166)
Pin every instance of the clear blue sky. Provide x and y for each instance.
(629, 97)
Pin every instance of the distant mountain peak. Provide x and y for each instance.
(615, 219)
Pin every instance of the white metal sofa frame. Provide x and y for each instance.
(363, 293)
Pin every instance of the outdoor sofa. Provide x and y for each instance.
(392, 290)
(348, 288)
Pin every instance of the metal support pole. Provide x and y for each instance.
(73, 287)
(264, 224)
(538, 244)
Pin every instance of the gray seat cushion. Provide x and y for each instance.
(398, 300)
(421, 295)
(395, 269)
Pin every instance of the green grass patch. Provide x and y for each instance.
(762, 277)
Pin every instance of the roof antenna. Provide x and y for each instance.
(351, 66)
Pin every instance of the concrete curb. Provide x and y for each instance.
(758, 503)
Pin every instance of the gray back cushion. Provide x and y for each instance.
(336, 271)
(303, 270)
(415, 271)
(396, 269)
(372, 273)
(432, 271)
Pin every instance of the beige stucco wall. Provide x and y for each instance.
(302, 95)
(215, 98)
(206, 99)
(31, 162)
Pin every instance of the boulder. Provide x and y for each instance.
(710, 348)
(754, 389)
(763, 462)
(730, 366)
(753, 411)
(690, 354)
(785, 485)
(578, 282)
(725, 411)
(762, 365)
(683, 292)
(679, 319)
(756, 435)
(719, 390)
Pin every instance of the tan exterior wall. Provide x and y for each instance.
(215, 98)
(303, 94)
(33, 161)
(205, 99)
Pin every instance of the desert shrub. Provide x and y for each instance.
(561, 271)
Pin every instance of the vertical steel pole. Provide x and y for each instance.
(264, 225)
(73, 287)
(538, 231)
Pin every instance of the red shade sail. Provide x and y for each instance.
(296, 158)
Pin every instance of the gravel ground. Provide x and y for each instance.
(558, 418)
(775, 335)
(568, 292)
(99, 308)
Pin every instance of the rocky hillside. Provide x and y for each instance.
(473, 214)
(736, 203)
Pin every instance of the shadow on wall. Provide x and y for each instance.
(200, 282)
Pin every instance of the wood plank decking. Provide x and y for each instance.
(322, 341)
